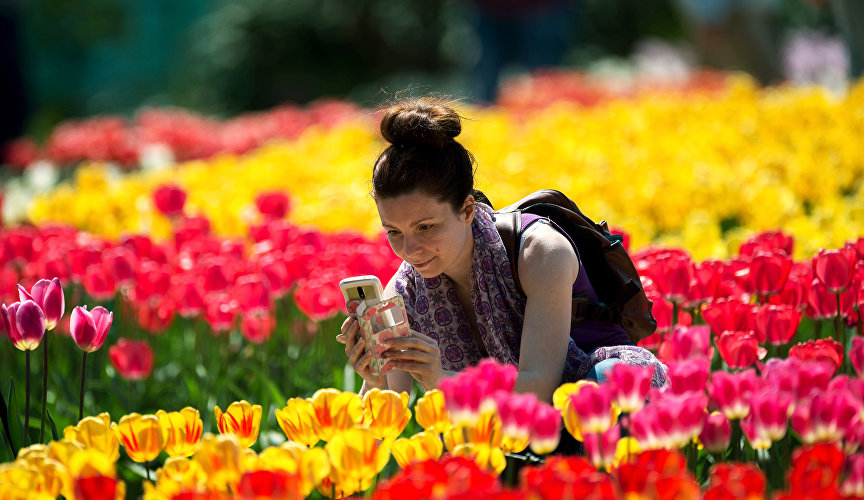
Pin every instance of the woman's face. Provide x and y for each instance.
(427, 233)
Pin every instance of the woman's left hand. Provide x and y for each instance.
(418, 355)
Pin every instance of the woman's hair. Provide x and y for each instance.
(423, 154)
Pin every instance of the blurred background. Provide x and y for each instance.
(64, 59)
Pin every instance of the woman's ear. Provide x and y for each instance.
(469, 208)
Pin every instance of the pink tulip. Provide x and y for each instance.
(689, 377)
(546, 431)
(516, 412)
(669, 423)
(853, 486)
(600, 448)
(593, 404)
(796, 378)
(629, 384)
(90, 328)
(731, 392)
(25, 324)
(48, 294)
(768, 419)
(463, 399)
(686, 343)
(716, 433)
(832, 414)
(834, 268)
(802, 424)
(856, 355)
(498, 376)
(854, 438)
(777, 325)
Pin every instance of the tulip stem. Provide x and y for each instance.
(839, 331)
(44, 387)
(27, 397)
(147, 468)
(83, 374)
(675, 308)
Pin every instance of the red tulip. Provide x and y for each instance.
(716, 433)
(777, 324)
(49, 296)
(768, 241)
(794, 292)
(273, 204)
(99, 283)
(856, 355)
(673, 274)
(120, 265)
(263, 484)
(318, 300)
(217, 276)
(731, 392)
(822, 304)
(133, 360)
(706, 280)
(769, 271)
(834, 268)
(257, 327)
(825, 350)
(155, 317)
(728, 315)
(80, 258)
(186, 292)
(96, 487)
(739, 349)
(253, 294)
(220, 312)
(169, 199)
(153, 281)
(25, 324)
(815, 471)
(90, 328)
(735, 481)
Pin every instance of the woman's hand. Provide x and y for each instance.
(358, 357)
(418, 355)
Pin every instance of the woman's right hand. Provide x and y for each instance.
(358, 356)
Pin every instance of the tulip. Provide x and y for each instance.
(674, 271)
(716, 433)
(794, 292)
(25, 324)
(182, 431)
(140, 435)
(767, 241)
(686, 343)
(826, 351)
(336, 411)
(49, 296)
(219, 457)
(816, 470)
(169, 199)
(732, 391)
(385, 413)
(95, 433)
(297, 420)
(600, 448)
(133, 360)
(689, 377)
(834, 268)
(273, 204)
(593, 405)
(318, 300)
(220, 312)
(98, 488)
(797, 378)
(253, 293)
(735, 480)
(516, 412)
(739, 349)
(88, 330)
(311, 465)
(767, 420)
(431, 412)
(856, 355)
(832, 414)
(261, 484)
(706, 280)
(464, 398)
(546, 432)
(777, 324)
(241, 419)
(822, 304)
(768, 271)
(99, 282)
(853, 486)
(727, 315)
(629, 385)
(257, 327)
(356, 456)
(489, 458)
(420, 447)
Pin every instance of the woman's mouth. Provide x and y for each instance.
(423, 264)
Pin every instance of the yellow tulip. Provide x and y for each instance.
(220, 458)
(561, 402)
(91, 463)
(385, 413)
(418, 448)
(178, 474)
(357, 456)
(431, 412)
(95, 433)
(182, 431)
(240, 419)
(514, 444)
(627, 447)
(297, 420)
(20, 482)
(335, 486)
(140, 435)
(490, 458)
(336, 411)
(63, 450)
(311, 465)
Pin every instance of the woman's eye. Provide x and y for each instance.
(392, 233)
(425, 227)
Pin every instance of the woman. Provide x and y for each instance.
(459, 293)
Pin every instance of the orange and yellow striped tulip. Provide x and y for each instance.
(418, 448)
(490, 458)
(140, 435)
(220, 458)
(240, 419)
(310, 465)
(385, 413)
(95, 433)
(336, 411)
(357, 456)
(431, 412)
(297, 420)
(182, 431)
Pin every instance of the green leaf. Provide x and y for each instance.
(54, 434)
(6, 454)
(278, 398)
(13, 415)
(4, 417)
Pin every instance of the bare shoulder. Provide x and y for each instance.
(547, 259)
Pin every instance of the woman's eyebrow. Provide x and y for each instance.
(384, 224)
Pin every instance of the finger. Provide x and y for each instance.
(410, 366)
(341, 338)
(351, 337)
(405, 343)
(412, 355)
(418, 335)
(347, 324)
(356, 352)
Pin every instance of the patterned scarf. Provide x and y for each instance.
(434, 309)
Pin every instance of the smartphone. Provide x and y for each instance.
(366, 289)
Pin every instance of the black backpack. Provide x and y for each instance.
(609, 268)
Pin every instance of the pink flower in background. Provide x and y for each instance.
(133, 360)
(731, 392)
(686, 343)
(629, 385)
(90, 328)
(856, 355)
(716, 433)
(516, 412)
(600, 448)
(689, 377)
(546, 431)
(767, 420)
(593, 404)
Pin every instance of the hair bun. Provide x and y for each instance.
(423, 121)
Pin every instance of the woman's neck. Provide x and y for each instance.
(460, 275)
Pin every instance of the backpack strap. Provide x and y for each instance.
(509, 225)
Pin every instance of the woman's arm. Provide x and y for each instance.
(547, 268)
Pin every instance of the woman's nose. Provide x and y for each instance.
(412, 247)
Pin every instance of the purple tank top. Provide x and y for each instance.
(589, 334)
